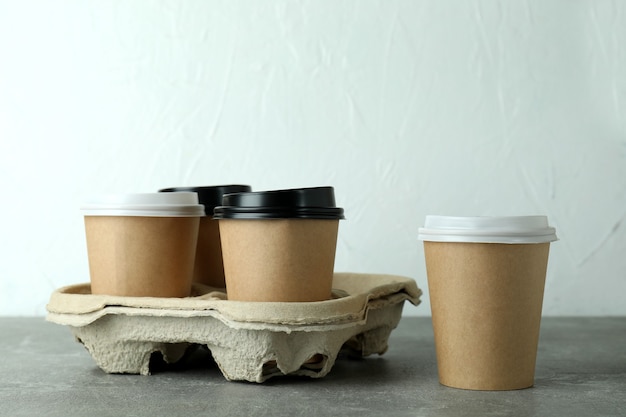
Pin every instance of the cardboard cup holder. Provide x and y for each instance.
(249, 341)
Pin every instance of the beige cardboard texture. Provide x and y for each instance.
(486, 302)
(209, 267)
(141, 256)
(279, 259)
(250, 341)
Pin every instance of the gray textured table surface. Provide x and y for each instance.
(581, 371)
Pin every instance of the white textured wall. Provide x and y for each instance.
(407, 107)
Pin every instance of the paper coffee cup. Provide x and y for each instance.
(279, 245)
(209, 266)
(486, 277)
(142, 245)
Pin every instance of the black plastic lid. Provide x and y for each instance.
(210, 196)
(298, 203)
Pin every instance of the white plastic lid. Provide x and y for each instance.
(513, 229)
(183, 204)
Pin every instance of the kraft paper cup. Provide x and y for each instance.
(209, 266)
(279, 245)
(486, 277)
(142, 245)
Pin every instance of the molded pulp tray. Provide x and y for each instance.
(250, 341)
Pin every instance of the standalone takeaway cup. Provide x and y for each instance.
(209, 266)
(279, 245)
(142, 245)
(486, 279)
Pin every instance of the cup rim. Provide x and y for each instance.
(298, 203)
(487, 229)
(209, 195)
(184, 204)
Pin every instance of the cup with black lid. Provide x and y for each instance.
(209, 267)
(279, 245)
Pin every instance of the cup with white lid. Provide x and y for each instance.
(142, 245)
(486, 278)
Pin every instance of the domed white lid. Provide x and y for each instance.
(182, 204)
(507, 229)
